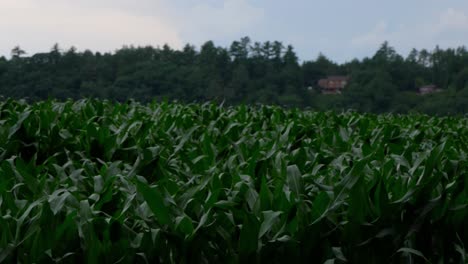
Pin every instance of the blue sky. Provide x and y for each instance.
(340, 29)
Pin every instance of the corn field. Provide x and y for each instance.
(96, 181)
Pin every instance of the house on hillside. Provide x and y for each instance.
(429, 89)
(333, 84)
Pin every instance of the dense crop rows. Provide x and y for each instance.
(97, 181)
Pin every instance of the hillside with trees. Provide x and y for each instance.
(245, 72)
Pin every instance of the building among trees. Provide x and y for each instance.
(428, 89)
(333, 84)
(246, 72)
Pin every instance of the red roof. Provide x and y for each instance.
(333, 82)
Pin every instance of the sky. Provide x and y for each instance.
(340, 29)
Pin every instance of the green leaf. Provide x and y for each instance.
(339, 254)
(248, 241)
(269, 219)
(136, 243)
(184, 224)
(413, 252)
(265, 196)
(18, 124)
(294, 178)
(203, 220)
(155, 201)
(57, 200)
(320, 205)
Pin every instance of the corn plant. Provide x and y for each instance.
(96, 181)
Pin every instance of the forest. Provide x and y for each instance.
(117, 157)
(246, 72)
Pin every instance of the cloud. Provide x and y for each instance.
(451, 19)
(374, 37)
(37, 26)
(448, 28)
(206, 21)
(106, 25)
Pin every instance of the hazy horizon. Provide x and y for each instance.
(341, 31)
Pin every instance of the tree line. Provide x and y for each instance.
(245, 72)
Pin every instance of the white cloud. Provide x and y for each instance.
(449, 28)
(13, 4)
(36, 27)
(374, 37)
(451, 19)
(206, 21)
(106, 25)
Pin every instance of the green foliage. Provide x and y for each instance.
(376, 93)
(462, 79)
(245, 73)
(95, 181)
